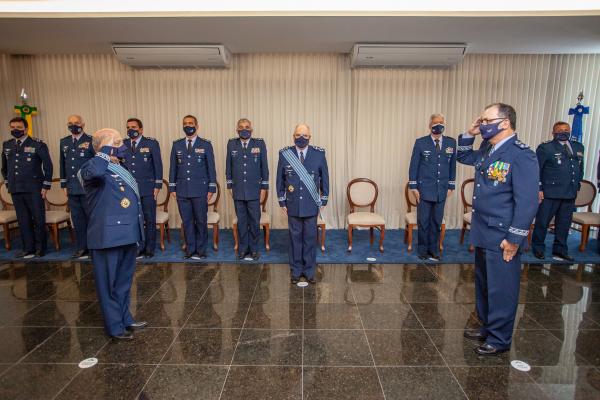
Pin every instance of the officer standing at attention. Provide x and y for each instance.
(192, 181)
(561, 172)
(144, 162)
(505, 201)
(247, 172)
(27, 171)
(114, 230)
(301, 174)
(75, 150)
(431, 179)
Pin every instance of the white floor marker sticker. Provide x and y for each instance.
(371, 259)
(520, 365)
(88, 363)
(302, 284)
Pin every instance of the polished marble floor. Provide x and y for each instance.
(243, 332)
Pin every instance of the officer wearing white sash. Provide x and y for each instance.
(302, 189)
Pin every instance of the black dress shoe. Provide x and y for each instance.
(148, 255)
(187, 256)
(295, 280)
(539, 255)
(139, 255)
(474, 334)
(312, 281)
(564, 257)
(241, 256)
(136, 326)
(40, 253)
(434, 257)
(79, 253)
(127, 335)
(488, 350)
(202, 256)
(255, 256)
(422, 257)
(23, 254)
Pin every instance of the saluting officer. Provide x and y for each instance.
(561, 172)
(302, 189)
(143, 160)
(75, 150)
(247, 173)
(431, 179)
(192, 181)
(505, 201)
(114, 231)
(27, 170)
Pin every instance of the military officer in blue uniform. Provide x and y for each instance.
(27, 172)
(247, 173)
(561, 172)
(302, 189)
(144, 162)
(431, 179)
(505, 200)
(114, 231)
(193, 181)
(75, 149)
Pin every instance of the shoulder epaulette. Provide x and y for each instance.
(548, 141)
(520, 144)
(259, 138)
(150, 138)
(232, 139)
(37, 140)
(318, 148)
(178, 140)
(285, 148)
(206, 140)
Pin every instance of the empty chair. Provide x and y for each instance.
(8, 216)
(57, 213)
(363, 192)
(586, 219)
(162, 214)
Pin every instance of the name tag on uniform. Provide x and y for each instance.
(255, 150)
(449, 150)
(145, 150)
(200, 151)
(29, 149)
(84, 145)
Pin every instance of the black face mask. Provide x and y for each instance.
(75, 129)
(17, 133)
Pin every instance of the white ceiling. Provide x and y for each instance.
(543, 34)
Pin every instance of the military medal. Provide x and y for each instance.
(122, 188)
(125, 202)
(290, 188)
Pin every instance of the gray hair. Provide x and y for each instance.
(438, 115)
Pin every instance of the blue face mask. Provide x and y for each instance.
(75, 129)
(490, 130)
(132, 133)
(245, 134)
(189, 130)
(438, 129)
(301, 142)
(17, 133)
(120, 152)
(562, 136)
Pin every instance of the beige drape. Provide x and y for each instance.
(367, 119)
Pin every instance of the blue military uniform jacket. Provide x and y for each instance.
(192, 174)
(247, 170)
(145, 164)
(433, 172)
(115, 208)
(292, 193)
(27, 168)
(505, 195)
(72, 157)
(560, 175)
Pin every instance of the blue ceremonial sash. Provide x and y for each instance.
(303, 174)
(125, 175)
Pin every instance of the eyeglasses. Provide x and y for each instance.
(485, 121)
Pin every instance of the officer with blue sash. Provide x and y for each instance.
(27, 172)
(302, 189)
(431, 179)
(75, 150)
(144, 162)
(247, 173)
(114, 230)
(193, 181)
(505, 201)
(561, 172)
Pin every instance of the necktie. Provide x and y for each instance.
(568, 149)
(302, 157)
(18, 143)
(74, 141)
(245, 145)
(133, 146)
(189, 146)
(437, 144)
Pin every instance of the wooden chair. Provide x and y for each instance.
(321, 228)
(162, 214)
(586, 219)
(212, 219)
(363, 192)
(265, 224)
(466, 196)
(57, 213)
(8, 216)
(410, 220)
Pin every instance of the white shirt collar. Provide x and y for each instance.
(440, 139)
(298, 150)
(76, 136)
(245, 142)
(193, 140)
